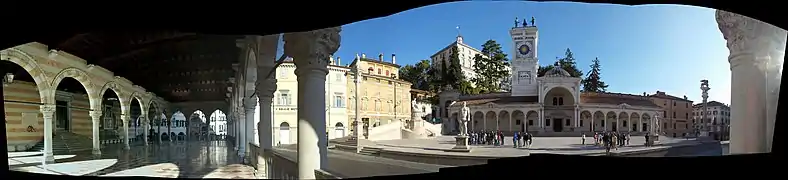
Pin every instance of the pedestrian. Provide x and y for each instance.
(514, 139)
(584, 139)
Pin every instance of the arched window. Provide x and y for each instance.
(560, 101)
(379, 71)
(555, 101)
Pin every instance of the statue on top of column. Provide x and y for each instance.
(533, 21)
(517, 22)
(465, 113)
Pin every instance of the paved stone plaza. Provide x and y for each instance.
(553, 145)
(169, 159)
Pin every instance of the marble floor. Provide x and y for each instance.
(195, 159)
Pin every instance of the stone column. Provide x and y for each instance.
(311, 51)
(242, 132)
(266, 86)
(96, 118)
(48, 111)
(249, 104)
(125, 118)
(145, 128)
(577, 116)
(755, 47)
(541, 118)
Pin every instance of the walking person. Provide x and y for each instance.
(614, 138)
(514, 139)
(584, 139)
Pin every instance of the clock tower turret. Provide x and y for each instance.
(525, 63)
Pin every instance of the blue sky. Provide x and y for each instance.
(641, 48)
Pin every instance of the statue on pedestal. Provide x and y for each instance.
(533, 20)
(464, 118)
(516, 22)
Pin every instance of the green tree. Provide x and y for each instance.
(543, 70)
(418, 74)
(569, 64)
(453, 75)
(593, 82)
(492, 70)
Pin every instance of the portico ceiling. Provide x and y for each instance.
(178, 66)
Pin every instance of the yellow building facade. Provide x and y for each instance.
(384, 98)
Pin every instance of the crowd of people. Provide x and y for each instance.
(497, 138)
(610, 140)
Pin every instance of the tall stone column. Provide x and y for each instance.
(249, 104)
(145, 128)
(48, 110)
(242, 132)
(125, 118)
(266, 86)
(311, 51)
(96, 118)
(755, 49)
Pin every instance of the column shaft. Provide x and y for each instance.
(242, 141)
(145, 128)
(96, 118)
(49, 112)
(311, 51)
(249, 106)
(125, 119)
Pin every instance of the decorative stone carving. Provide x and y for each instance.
(742, 33)
(75, 73)
(95, 114)
(311, 49)
(266, 88)
(48, 109)
(250, 103)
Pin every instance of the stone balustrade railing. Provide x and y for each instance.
(274, 165)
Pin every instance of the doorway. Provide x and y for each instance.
(339, 130)
(634, 127)
(615, 126)
(284, 133)
(63, 115)
(644, 127)
(558, 126)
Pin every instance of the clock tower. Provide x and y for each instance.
(525, 63)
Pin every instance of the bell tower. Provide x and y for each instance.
(525, 63)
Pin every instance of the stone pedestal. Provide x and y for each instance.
(460, 144)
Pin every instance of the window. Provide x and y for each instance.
(624, 124)
(686, 115)
(339, 77)
(530, 122)
(555, 101)
(284, 97)
(561, 101)
(517, 122)
(339, 101)
(581, 123)
(664, 125)
(387, 72)
(379, 71)
(674, 125)
(664, 114)
(686, 126)
(547, 122)
(567, 123)
(674, 103)
(674, 115)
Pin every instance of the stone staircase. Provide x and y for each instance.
(370, 151)
(66, 142)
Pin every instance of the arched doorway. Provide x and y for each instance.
(339, 130)
(22, 97)
(284, 133)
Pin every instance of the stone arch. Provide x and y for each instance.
(490, 120)
(478, 120)
(532, 119)
(634, 120)
(116, 88)
(645, 119)
(585, 118)
(623, 120)
(599, 121)
(566, 92)
(31, 66)
(136, 95)
(504, 120)
(610, 120)
(81, 77)
(250, 75)
(518, 116)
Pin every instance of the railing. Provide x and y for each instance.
(274, 165)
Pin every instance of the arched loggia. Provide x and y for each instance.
(218, 124)
(111, 124)
(135, 124)
(22, 99)
(197, 126)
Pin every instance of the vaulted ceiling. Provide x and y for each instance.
(177, 66)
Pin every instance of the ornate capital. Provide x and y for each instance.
(265, 88)
(95, 114)
(749, 39)
(47, 109)
(311, 49)
(250, 103)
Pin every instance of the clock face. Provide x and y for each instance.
(524, 49)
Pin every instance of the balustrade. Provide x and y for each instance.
(279, 166)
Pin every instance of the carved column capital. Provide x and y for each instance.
(250, 103)
(265, 88)
(48, 108)
(311, 49)
(747, 37)
(95, 114)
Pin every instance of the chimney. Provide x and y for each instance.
(644, 94)
(331, 60)
(363, 55)
(380, 57)
(685, 97)
(393, 58)
(339, 63)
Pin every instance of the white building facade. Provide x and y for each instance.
(465, 54)
(551, 105)
(285, 110)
